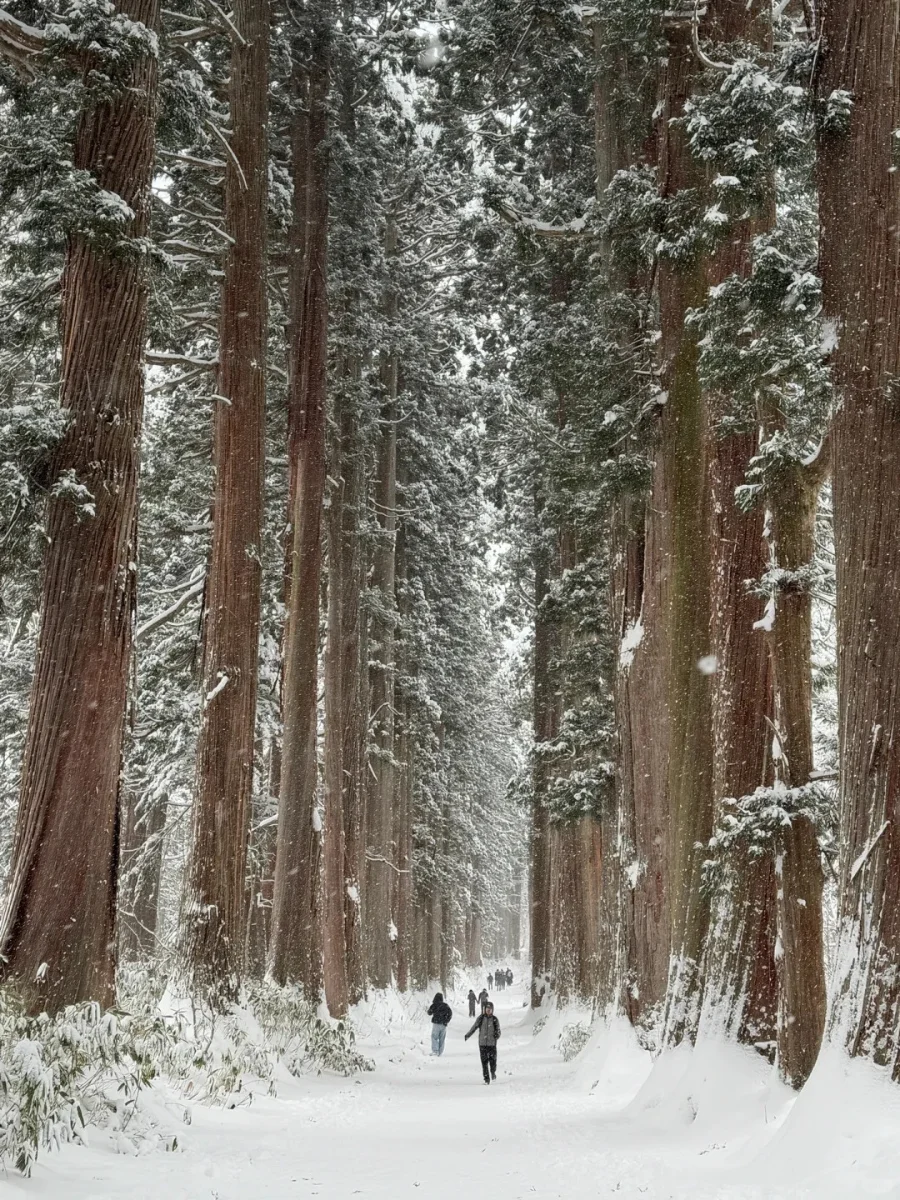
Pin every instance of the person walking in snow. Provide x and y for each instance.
(441, 1015)
(473, 1001)
(508, 977)
(488, 1028)
(483, 998)
(490, 981)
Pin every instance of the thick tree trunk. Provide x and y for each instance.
(740, 993)
(740, 985)
(379, 816)
(296, 954)
(859, 192)
(58, 930)
(214, 910)
(801, 966)
(676, 585)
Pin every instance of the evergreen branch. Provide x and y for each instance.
(161, 358)
(172, 611)
(230, 27)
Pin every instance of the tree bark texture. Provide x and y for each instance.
(58, 930)
(296, 954)
(801, 966)
(679, 797)
(740, 985)
(214, 916)
(859, 193)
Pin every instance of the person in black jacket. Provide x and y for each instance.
(488, 1036)
(473, 1000)
(441, 1015)
(483, 998)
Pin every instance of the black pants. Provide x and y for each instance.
(488, 1061)
(471, 1008)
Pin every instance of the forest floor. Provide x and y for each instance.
(607, 1123)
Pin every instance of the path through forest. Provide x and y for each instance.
(420, 1126)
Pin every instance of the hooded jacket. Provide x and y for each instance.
(488, 1030)
(440, 1012)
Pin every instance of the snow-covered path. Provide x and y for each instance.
(420, 1126)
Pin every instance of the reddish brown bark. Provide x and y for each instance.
(741, 985)
(801, 967)
(296, 954)
(678, 793)
(214, 910)
(58, 931)
(859, 191)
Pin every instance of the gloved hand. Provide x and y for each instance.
(466, 1038)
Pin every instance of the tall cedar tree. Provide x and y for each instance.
(215, 900)
(58, 932)
(296, 953)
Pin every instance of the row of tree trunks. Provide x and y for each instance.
(296, 951)
(859, 204)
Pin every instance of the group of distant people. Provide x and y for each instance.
(500, 979)
(486, 1024)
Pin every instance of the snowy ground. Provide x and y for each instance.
(697, 1126)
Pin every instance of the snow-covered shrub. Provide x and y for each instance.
(59, 1074)
(573, 1040)
(299, 1037)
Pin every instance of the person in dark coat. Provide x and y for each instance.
(490, 981)
(483, 998)
(441, 1015)
(488, 1028)
(473, 1001)
(508, 977)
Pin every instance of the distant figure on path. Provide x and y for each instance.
(441, 1015)
(488, 1036)
(483, 998)
(473, 1000)
(490, 981)
(508, 977)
